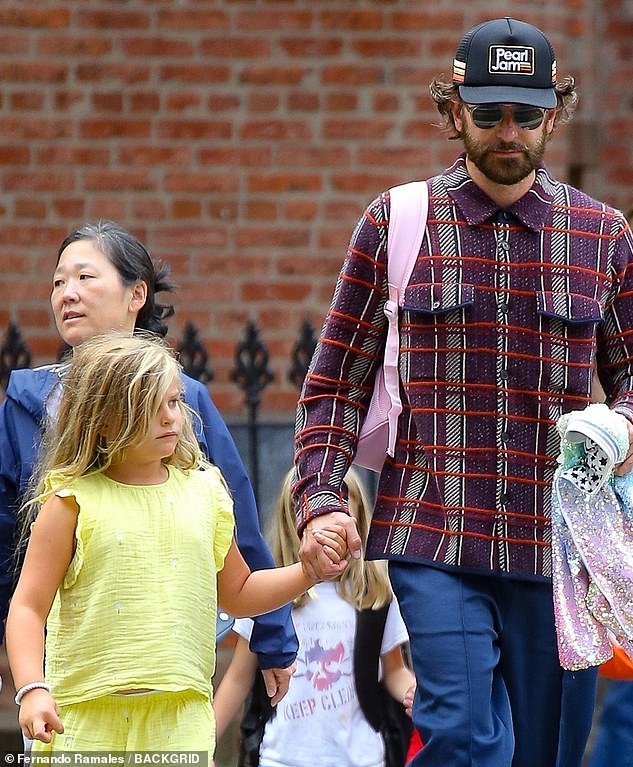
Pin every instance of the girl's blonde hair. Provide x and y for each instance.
(364, 584)
(112, 389)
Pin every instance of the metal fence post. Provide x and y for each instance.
(252, 375)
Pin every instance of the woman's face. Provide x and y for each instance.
(89, 297)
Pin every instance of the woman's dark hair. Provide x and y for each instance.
(133, 263)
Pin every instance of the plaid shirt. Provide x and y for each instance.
(505, 317)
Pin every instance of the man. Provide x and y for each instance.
(522, 286)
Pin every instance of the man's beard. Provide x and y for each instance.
(504, 170)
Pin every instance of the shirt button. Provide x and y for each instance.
(505, 436)
(504, 498)
(437, 304)
(504, 375)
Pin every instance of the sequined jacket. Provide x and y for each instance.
(505, 314)
(592, 538)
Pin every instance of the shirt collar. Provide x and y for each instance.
(532, 210)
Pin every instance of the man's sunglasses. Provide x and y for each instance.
(487, 116)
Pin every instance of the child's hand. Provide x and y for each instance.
(333, 543)
(407, 701)
(39, 716)
(316, 563)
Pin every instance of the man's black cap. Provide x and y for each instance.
(506, 61)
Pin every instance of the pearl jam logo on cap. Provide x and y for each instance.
(506, 61)
(518, 59)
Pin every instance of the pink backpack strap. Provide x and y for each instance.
(408, 212)
(407, 223)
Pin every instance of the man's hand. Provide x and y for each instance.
(318, 565)
(277, 681)
(627, 463)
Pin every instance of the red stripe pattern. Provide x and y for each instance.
(504, 318)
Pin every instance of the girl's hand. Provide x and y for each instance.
(333, 543)
(39, 716)
(316, 563)
(407, 701)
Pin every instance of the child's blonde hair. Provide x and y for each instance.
(363, 584)
(112, 390)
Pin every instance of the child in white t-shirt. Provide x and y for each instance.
(320, 720)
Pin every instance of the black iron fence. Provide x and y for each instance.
(256, 440)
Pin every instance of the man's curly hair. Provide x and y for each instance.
(444, 93)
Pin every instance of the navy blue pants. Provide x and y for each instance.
(613, 745)
(491, 692)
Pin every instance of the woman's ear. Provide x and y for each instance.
(138, 297)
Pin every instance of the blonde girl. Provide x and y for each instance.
(128, 555)
(320, 720)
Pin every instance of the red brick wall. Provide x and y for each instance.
(241, 139)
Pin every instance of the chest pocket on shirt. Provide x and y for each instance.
(568, 314)
(568, 324)
(434, 316)
(438, 298)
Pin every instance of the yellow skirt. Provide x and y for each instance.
(146, 722)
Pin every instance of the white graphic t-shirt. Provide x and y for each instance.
(319, 721)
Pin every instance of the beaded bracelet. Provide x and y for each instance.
(27, 688)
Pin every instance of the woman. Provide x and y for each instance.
(106, 280)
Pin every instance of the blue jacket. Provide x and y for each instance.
(21, 416)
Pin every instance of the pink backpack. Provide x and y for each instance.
(407, 223)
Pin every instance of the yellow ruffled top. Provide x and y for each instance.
(137, 607)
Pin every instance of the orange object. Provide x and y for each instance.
(618, 667)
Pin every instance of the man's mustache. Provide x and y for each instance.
(503, 146)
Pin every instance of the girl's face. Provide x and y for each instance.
(89, 297)
(164, 432)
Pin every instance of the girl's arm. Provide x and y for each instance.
(243, 593)
(398, 678)
(234, 687)
(50, 550)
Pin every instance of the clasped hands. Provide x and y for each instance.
(327, 543)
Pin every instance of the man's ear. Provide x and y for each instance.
(139, 296)
(457, 110)
(550, 120)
